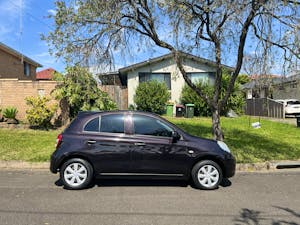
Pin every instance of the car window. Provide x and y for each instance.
(113, 123)
(92, 125)
(145, 125)
(293, 102)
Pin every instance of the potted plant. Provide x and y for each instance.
(10, 114)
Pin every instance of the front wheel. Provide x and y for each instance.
(207, 175)
(76, 174)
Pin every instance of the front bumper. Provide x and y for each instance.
(229, 166)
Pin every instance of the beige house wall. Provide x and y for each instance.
(14, 91)
(166, 66)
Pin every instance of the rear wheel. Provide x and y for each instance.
(76, 174)
(207, 175)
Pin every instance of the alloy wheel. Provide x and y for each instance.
(208, 176)
(75, 174)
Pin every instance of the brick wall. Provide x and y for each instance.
(14, 91)
(12, 67)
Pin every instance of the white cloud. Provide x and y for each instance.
(45, 59)
(4, 30)
(52, 12)
(10, 12)
(12, 9)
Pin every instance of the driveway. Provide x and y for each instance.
(36, 197)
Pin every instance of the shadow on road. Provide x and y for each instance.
(143, 183)
(248, 216)
(226, 183)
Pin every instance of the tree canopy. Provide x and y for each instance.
(94, 31)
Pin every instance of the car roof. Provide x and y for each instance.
(286, 100)
(89, 113)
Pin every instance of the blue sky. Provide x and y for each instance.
(23, 21)
(22, 33)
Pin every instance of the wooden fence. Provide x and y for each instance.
(118, 94)
(264, 107)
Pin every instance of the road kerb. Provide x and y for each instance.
(240, 167)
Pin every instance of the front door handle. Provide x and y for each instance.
(139, 143)
(91, 142)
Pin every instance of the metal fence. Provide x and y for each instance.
(264, 107)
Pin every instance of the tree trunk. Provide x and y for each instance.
(216, 125)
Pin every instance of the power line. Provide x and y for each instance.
(21, 31)
(32, 16)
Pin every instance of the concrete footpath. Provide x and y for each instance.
(247, 167)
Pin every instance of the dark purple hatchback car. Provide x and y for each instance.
(137, 144)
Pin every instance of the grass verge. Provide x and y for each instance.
(27, 145)
(273, 141)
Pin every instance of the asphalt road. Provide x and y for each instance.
(36, 197)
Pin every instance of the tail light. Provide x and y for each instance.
(58, 140)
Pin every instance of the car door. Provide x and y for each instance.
(107, 143)
(153, 150)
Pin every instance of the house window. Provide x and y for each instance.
(26, 69)
(293, 84)
(201, 77)
(160, 77)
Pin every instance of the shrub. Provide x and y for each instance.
(151, 96)
(41, 111)
(235, 102)
(80, 90)
(10, 113)
(190, 96)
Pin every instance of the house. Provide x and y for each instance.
(274, 86)
(14, 64)
(287, 87)
(163, 69)
(264, 91)
(260, 86)
(18, 80)
(46, 74)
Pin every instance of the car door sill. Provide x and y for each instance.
(141, 174)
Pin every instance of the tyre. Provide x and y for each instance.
(207, 175)
(76, 174)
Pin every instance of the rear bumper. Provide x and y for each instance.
(53, 164)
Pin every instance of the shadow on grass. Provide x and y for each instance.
(248, 216)
(247, 146)
(197, 130)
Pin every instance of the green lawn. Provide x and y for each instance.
(273, 141)
(27, 145)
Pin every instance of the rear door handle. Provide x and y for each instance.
(91, 142)
(139, 143)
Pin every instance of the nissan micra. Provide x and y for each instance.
(136, 144)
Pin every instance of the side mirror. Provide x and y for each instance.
(175, 136)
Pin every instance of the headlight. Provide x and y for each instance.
(223, 146)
